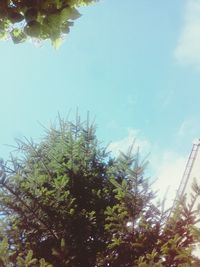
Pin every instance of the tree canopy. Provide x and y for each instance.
(38, 19)
(66, 202)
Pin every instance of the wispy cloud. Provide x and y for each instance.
(133, 136)
(169, 167)
(188, 47)
(189, 129)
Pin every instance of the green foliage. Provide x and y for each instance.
(179, 238)
(4, 253)
(65, 202)
(27, 261)
(40, 20)
(8, 257)
(55, 196)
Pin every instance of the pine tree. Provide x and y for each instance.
(66, 202)
(55, 194)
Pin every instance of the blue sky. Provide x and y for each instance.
(135, 65)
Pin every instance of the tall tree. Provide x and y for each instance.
(66, 202)
(56, 194)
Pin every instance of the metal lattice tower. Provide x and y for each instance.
(192, 170)
(187, 172)
(188, 169)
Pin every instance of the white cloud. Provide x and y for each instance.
(184, 128)
(168, 166)
(189, 129)
(125, 143)
(188, 47)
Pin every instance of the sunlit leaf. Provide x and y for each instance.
(57, 43)
(18, 36)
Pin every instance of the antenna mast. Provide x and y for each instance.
(187, 172)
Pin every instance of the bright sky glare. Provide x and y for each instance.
(135, 65)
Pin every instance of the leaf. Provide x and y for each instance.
(18, 36)
(29, 256)
(57, 43)
(115, 183)
(62, 244)
(74, 14)
(70, 14)
(58, 3)
(3, 35)
(33, 29)
(43, 263)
